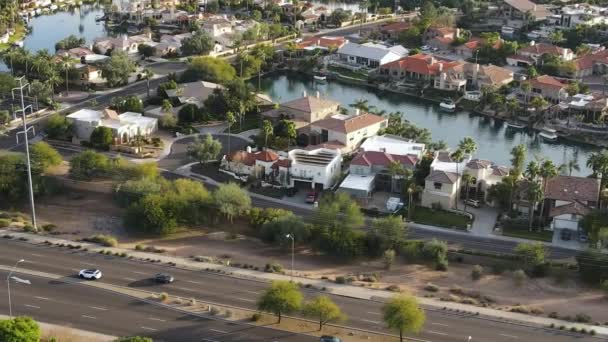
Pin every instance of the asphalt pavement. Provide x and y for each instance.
(222, 289)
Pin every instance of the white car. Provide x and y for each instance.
(90, 274)
(425, 48)
(298, 40)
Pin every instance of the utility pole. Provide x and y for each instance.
(27, 146)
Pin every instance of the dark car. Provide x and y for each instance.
(327, 338)
(163, 278)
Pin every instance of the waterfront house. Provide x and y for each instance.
(452, 77)
(568, 199)
(79, 53)
(326, 43)
(592, 64)
(486, 174)
(533, 54)
(125, 127)
(418, 67)
(369, 54)
(304, 110)
(440, 188)
(393, 144)
(481, 76)
(128, 44)
(348, 131)
(592, 107)
(549, 88)
(518, 9)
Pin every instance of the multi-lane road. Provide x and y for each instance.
(221, 289)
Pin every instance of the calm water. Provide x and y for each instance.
(494, 141)
(48, 29)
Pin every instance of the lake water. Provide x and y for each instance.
(494, 140)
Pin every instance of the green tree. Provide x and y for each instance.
(101, 137)
(230, 120)
(147, 74)
(598, 163)
(89, 164)
(45, 155)
(118, 69)
(410, 37)
(130, 103)
(274, 230)
(5, 117)
(70, 42)
(204, 150)
(231, 200)
(201, 43)
(152, 214)
(389, 231)
(189, 113)
(66, 64)
(19, 329)
(146, 50)
(532, 255)
(337, 219)
(324, 310)
(535, 195)
(282, 297)
(267, 130)
(402, 313)
(547, 171)
(518, 158)
(592, 266)
(209, 69)
(467, 179)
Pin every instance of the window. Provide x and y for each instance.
(437, 186)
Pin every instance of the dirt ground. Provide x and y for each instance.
(83, 214)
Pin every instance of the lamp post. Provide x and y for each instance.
(8, 286)
(293, 247)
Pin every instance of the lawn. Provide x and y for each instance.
(519, 229)
(249, 122)
(349, 73)
(440, 218)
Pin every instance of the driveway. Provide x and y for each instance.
(485, 219)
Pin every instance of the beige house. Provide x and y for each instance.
(346, 131)
(304, 110)
(548, 87)
(440, 188)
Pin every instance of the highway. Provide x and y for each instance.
(101, 311)
(222, 289)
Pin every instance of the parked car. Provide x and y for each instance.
(327, 338)
(425, 48)
(312, 197)
(473, 203)
(90, 274)
(298, 40)
(164, 278)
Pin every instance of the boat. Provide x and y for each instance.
(515, 125)
(320, 78)
(548, 134)
(447, 105)
(53, 7)
(38, 11)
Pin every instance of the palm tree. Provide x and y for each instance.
(526, 88)
(361, 104)
(532, 170)
(467, 145)
(290, 127)
(65, 64)
(268, 130)
(243, 57)
(290, 48)
(547, 171)
(412, 189)
(598, 162)
(567, 168)
(147, 75)
(518, 154)
(468, 180)
(538, 103)
(457, 157)
(535, 195)
(53, 80)
(230, 120)
(261, 54)
(512, 106)
(395, 169)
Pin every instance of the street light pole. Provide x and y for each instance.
(293, 247)
(8, 286)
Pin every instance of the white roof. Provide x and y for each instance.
(86, 115)
(358, 182)
(137, 119)
(392, 145)
(374, 52)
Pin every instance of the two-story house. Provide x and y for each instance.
(440, 189)
(549, 88)
(486, 174)
(128, 44)
(347, 131)
(304, 110)
(533, 54)
(482, 76)
(416, 67)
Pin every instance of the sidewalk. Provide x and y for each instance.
(48, 330)
(323, 285)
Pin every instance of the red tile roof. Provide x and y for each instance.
(326, 42)
(420, 63)
(351, 124)
(572, 208)
(285, 163)
(543, 48)
(570, 188)
(546, 81)
(266, 156)
(587, 61)
(370, 158)
(250, 158)
(395, 27)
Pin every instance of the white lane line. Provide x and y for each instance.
(436, 332)
(32, 306)
(440, 324)
(245, 299)
(253, 292)
(137, 272)
(185, 289)
(509, 336)
(209, 340)
(87, 263)
(147, 328)
(218, 331)
(156, 319)
(370, 321)
(373, 313)
(89, 317)
(98, 308)
(37, 255)
(42, 298)
(130, 279)
(194, 282)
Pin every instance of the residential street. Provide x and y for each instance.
(211, 287)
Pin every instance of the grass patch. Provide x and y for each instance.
(249, 122)
(519, 229)
(349, 73)
(440, 218)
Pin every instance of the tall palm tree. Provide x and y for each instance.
(66, 64)
(395, 169)
(412, 189)
(147, 75)
(512, 106)
(518, 154)
(547, 171)
(526, 88)
(268, 130)
(27, 60)
(53, 79)
(361, 104)
(535, 195)
(467, 145)
(468, 180)
(230, 120)
(243, 57)
(532, 170)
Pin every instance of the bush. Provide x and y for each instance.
(520, 277)
(441, 264)
(273, 267)
(28, 228)
(104, 240)
(256, 317)
(139, 247)
(393, 288)
(431, 287)
(4, 223)
(49, 227)
(582, 318)
(344, 280)
(476, 272)
(163, 296)
(214, 311)
(553, 314)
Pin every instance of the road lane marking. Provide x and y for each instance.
(373, 313)
(184, 289)
(253, 292)
(194, 282)
(89, 317)
(37, 255)
(156, 319)
(509, 336)
(370, 321)
(218, 331)
(436, 332)
(137, 272)
(98, 308)
(147, 328)
(87, 263)
(245, 299)
(32, 306)
(440, 324)
(42, 298)
(130, 279)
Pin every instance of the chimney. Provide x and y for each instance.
(248, 149)
(304, 93)
(318, 94)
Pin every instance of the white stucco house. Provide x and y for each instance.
(125, 127)
(393, 144)
(369, 54)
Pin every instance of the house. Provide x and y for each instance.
(392, 30)
(304, 110)
(349, 131)
(79, 53)
(128, 44)
(393, 144)
(415, 67)
(468, 49)
(359, 187)
(591, 106)
(440, 34)
(548, 87)
(314, 169)
(533, 54)
(481, 76)
(519, 9)
(592, 64)
(325, 43)
(377, 166)
(569, 199)
(486, 174)
(170, 44)
(247, 163)
(369, 54)
(193, 92)
(582, 14)
(88, 75)
(451, 77)
(217, 27)
(440, 188)
(125, 127)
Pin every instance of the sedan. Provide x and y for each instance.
(90, 274)
(164, 278)
(327, 338)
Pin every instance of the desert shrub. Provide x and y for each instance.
(214, 311)
(553, 314)
(393, 288)
(431, 287)
(139, 247)
(344, 279)
(104, 240)
(28, 228)
(49, 227)
(163, 296)
(4, 223)
(582, 318)
(256, 317)
(520, 277)
(476, 272)
(273, 267)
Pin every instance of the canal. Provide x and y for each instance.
(494, 140)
